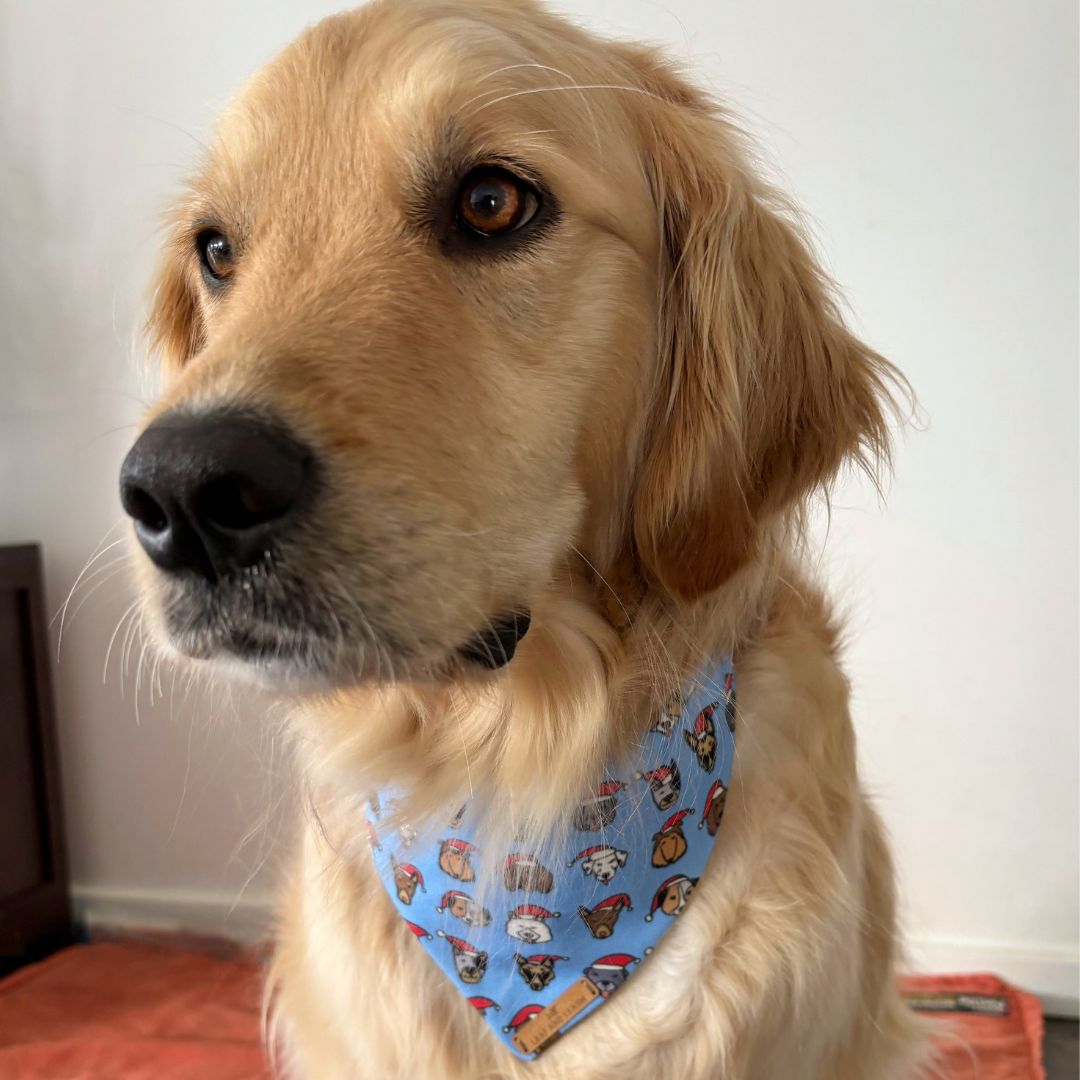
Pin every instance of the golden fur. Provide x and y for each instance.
(618, 428)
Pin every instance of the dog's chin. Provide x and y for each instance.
(281, 633)
(293, 661)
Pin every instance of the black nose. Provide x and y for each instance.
(209, 493)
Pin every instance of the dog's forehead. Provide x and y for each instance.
(365, 97)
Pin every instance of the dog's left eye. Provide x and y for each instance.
(493, 202)
(215, 255)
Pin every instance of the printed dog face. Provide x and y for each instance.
(675, 897)
(469, 912)
(596, 814)
(715, 813)
(527, 876)
(406, 881)
(665, 784)
(602, 919)
(454, 860)
(471, 967)
(604, 864)
(537, 971)
(702, 740)
(528, 923)
(668, 847)
(608, 973)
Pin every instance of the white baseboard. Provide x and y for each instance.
(244, 920)
(1053, 974)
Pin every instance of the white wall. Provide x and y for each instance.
(935, 146)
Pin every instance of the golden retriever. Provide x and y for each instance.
(476, 324)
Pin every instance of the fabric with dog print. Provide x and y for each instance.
(637, 846)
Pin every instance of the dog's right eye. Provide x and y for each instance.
(215, 256)
(493, 202)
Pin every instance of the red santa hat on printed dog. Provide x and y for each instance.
(681, 881)
(459, 845)
(449, 897)
(410, 871)
(614, 962)
(704, 719)
(482, 1004)
(524, 860)
(676, 820)
(522, 1016)
(589, 852)
(460, 946)
(717, 789)
(534, 911)
(608, 789)
(659, 774)
(611, 901)
(418, 930)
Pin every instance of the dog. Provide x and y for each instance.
(497, 385)
(537, 971)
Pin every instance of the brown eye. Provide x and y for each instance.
(216, 256)
(493, 202)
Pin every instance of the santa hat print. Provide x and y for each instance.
(460, 946)
(419, 931)
(589, 852)
(449, 897)
(543, 958)
(607, 789)
(614, 962)
(659, 774)
(482, 1004)
(681, 880)
(522, 1016)
(517, 858)
(534, 911)
(611, 901)
(717, 789)
(704, 719)
(462, 846)
(676, 820)
(410, 871)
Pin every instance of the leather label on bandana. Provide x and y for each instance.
(532, 1037)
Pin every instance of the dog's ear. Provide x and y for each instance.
(174, 325)
(762, 392)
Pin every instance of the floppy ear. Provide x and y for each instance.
(174, 326)
(762, 392)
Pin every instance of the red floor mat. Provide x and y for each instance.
(132, 1011)
(139, 1011)
(995, 1032)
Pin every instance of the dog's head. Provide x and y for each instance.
(463, 295)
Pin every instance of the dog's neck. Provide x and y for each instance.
(533, 735)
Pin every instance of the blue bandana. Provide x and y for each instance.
(553, 942)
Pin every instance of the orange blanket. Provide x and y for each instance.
(141, 1011)
(982, 1046)
(132, 1011)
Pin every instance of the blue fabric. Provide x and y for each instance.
(638, 846)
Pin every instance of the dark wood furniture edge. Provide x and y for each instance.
(37, 920)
